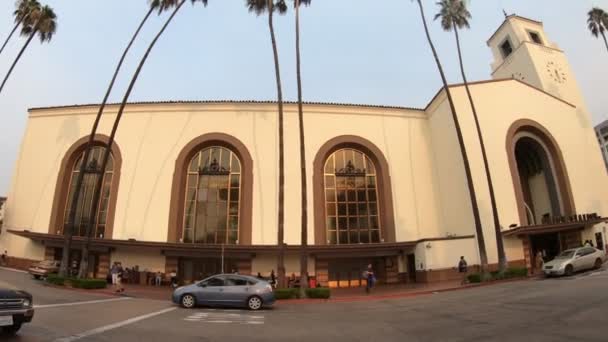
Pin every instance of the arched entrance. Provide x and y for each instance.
(542, 191)
(537, 180)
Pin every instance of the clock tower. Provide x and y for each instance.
(523, 51)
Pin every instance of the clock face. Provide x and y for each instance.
(556, 72)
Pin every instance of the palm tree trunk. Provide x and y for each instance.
(478, 228)
(605, 41)
(87, 152)
(502, 258)
(281, 213)
(10, 35)
(106, 153)
(304, 238)
(29, 40)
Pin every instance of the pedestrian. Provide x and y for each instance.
(539, 261)
(173, 276)
(463, 269)
(119, 274)
(159, 278)
(259, 276)
(5, 258)
(370, 277)
(273, 279)
(114, 272)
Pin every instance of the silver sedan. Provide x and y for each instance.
(574, 260)
(226, 290)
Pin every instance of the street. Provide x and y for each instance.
(562, 309)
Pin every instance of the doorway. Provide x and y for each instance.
(411, 268)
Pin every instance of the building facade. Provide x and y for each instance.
(601, 131)
(193, 186)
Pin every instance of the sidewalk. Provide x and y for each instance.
(337, 295)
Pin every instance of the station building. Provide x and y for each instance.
(190, 182)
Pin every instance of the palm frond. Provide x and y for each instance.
(453, 13)
(597, 21)
(260, 7)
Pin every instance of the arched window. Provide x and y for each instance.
(93, 170)
(212, 203)
(351, 198)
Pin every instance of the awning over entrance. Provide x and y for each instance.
(553, 228)
(238, 251)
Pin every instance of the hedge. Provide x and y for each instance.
(287, 293)
(319, 292)
(510, 273)
(474, 278)
(55, 279)
(77, 283)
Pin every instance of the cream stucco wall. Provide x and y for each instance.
(499, 105)
(446, 253)
(152, 135)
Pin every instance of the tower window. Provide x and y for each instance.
(535, 37)
(506, 48)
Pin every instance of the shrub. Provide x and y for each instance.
(474, 278)
(319, 292)
(287, 293)
(516, 272)
(88, 283)
(55, 279)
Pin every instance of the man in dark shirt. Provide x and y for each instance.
(462, 269)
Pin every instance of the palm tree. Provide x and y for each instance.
(43, 23)
(304, 238)
(260, 7)
(23, 13)
(454, 15)
(164, 5)
(87, 151)
(478, 228)
(598, 23)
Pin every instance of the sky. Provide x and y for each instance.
(353, 51)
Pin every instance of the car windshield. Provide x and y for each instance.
(566, 254)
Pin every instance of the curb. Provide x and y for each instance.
(306, 301)
(397, 295)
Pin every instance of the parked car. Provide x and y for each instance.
(44, 268)
(16, 308)
(226, 290)
(574, 260)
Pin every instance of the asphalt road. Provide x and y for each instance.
(564, 309)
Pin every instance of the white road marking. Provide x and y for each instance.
(219, 321)
(12, 270)
(224, 317)
(80, 303)
(113, 326)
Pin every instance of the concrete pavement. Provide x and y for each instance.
(563, 309)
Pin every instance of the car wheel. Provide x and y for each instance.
(12, 330)
(569, 270)
(598, 264)
(254, 303)
(37, 277)
(188, 301)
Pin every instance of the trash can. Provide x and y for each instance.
(312, 283)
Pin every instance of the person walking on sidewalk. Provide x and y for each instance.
(463, 269)
(159, 278)
(5, 258)
(370, 277)
(114, 272)
(119, 273)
